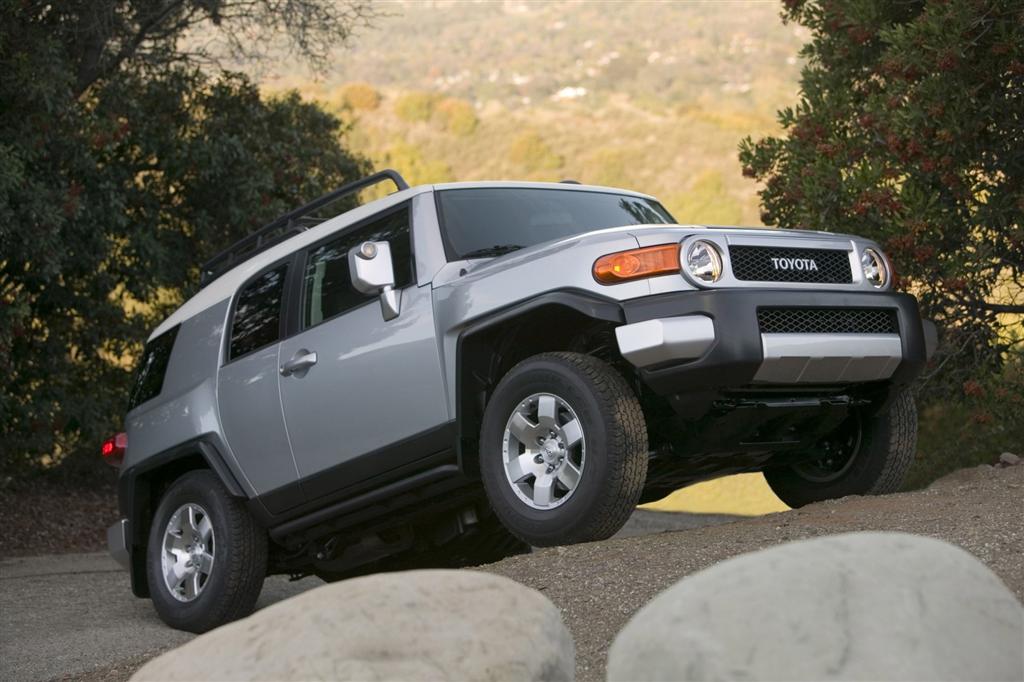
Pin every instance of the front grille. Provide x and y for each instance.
(773, 264)
(827, 321)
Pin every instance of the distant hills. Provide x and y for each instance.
(651, 96)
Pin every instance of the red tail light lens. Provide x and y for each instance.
(113, 449)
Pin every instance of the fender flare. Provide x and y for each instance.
(135, 497)
(587, 303)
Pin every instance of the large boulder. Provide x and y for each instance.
(417, 625)
(862, 606)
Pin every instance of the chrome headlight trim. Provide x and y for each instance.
(703, 261)
(874, 268)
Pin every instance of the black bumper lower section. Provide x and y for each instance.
(736, 354)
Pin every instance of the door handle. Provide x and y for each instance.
(300, 362)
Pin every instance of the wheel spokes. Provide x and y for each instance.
(544, 458)
(188, 552)
(205, 530)
(569, 475)
(525, 431)
(522, 467)
(572, 433)
(547, 412)
(543, 490)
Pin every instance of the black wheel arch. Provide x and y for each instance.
(572, 319)
(140, 487)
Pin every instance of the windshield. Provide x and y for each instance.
(487, 222)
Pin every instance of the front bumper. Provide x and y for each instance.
(117, 543)
(711, 341)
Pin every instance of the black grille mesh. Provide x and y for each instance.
(754, 264)
(827, 321)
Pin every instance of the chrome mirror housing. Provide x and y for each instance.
(373, 273)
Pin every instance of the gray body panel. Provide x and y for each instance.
(187, 407)
(252, 421)
(375, 383)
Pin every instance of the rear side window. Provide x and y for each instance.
(149, 378)
(257, 320)
(328, 284)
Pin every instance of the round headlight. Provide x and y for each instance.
(703, 261)
(873, 265)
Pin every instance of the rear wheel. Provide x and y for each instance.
(563, 450)
(206, 558)
(868, 455)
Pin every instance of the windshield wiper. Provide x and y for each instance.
(496, 250)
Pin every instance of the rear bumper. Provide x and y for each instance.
(117, 543)
(709, 341)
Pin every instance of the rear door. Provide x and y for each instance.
(374, 400)
(248, 394)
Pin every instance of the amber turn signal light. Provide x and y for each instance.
(637, 263)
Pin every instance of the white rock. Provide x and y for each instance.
(418, 625)
(863, 606)
(1009, 459)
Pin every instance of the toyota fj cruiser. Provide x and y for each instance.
(453, 373)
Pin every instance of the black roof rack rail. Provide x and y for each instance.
(287, 226)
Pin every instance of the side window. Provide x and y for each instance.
(328, 287)
(257, 321)
(149, 378)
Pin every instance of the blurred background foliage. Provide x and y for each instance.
(127, 159)
(652, 96)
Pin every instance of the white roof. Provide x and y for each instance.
(226, 284)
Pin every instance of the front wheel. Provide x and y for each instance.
(868, 455)
(563, 450)
(206, 558)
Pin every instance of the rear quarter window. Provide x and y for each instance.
(257, 320)
(149, 377)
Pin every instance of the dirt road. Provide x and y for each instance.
(73, 616)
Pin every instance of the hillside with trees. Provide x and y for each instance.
(644, 95)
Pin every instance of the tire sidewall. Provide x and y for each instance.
(874, 452)
(202, 488)
(545, 376)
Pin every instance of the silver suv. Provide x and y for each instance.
(454, 373)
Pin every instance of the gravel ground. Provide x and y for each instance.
(598, 586)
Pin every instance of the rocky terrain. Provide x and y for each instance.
(597, 586)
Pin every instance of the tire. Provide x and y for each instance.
(227, 533)
(884, 449)
(608, 452)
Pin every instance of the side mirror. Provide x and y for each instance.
(373, 274)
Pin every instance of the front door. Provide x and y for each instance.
(367, 396)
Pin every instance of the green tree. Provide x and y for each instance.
(530, 152)
(910, 130)
(416, 106)
(122, 167)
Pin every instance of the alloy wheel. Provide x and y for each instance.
(188, 552)
(544, 451)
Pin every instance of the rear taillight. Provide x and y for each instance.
(113, 449)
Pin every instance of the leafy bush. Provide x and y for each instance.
(409, 161)
(974, 429)
(908, 131)
(360, 96)
(416, 106)
(531, 152)
(456, 115)
(112, 193)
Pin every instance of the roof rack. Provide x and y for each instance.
(287, 226)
